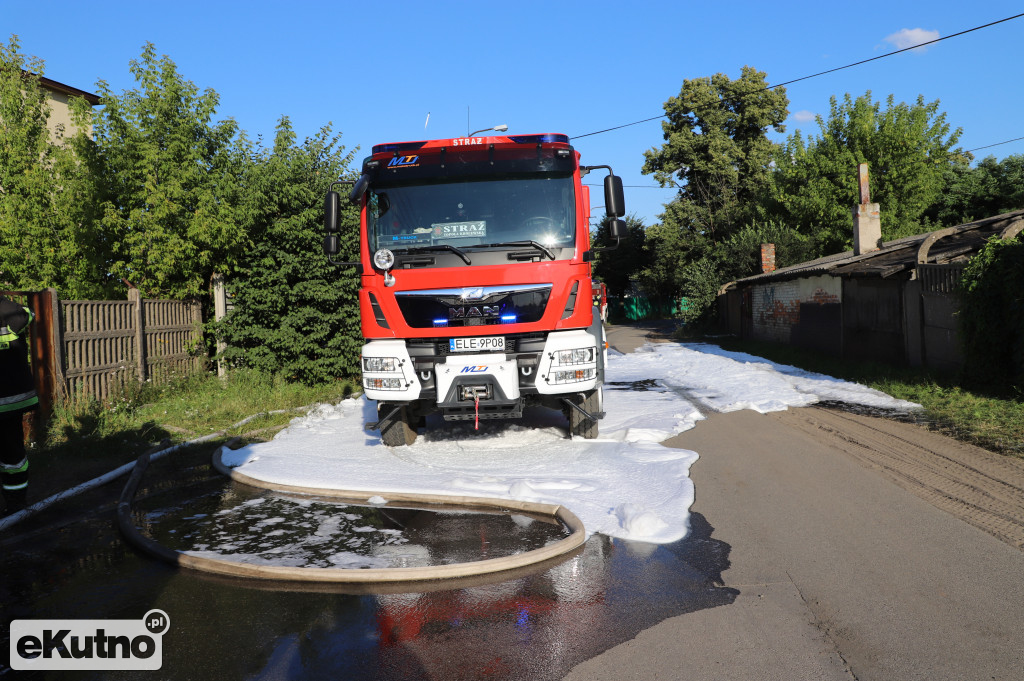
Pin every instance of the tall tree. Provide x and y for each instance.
(991, 188)
(618, 268)
(717, 152)
(170, 181)
(718, 155)
(45, 195)
(909, 148)
(294, 313)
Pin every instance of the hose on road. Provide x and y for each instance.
(35, 508)
(434, 573)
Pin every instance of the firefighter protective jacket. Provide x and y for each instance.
(17, 391)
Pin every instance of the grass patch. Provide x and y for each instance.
(87, 437)
(991, 421)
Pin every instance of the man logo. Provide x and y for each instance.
(472, 293)
(489, 311)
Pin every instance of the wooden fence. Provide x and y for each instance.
(939, 303)
(86, 348)
(105, 342)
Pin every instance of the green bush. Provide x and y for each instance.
(992, 316)
(295, 315)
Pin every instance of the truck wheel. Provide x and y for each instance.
(400, 431)
(581, 426)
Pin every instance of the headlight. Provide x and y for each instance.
(384, 259)
(575, 356)
(574, 375)
(380, 364)
(383, 383)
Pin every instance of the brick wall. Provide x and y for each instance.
(776, 307)
(767, 258)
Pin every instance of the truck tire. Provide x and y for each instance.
(400, 431)
(579, 425)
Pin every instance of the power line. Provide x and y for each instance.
(822, 73)
(1015, 139)
(635, 186)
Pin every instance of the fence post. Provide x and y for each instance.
(197, 325)
(140, 332)
(220, 308)
(41, 352)
(57, 344)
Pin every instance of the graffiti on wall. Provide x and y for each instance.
(775, 309)
(823, 297)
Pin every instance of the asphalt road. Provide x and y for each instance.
(819, 549)
(841, 572)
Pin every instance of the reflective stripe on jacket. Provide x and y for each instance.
(17, 388)
(20, 401)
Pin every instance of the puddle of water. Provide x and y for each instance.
(906, 416)
(265, 528)
(534, 625)
(636, 386)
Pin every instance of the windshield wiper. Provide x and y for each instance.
(528, 242)
(437, 247)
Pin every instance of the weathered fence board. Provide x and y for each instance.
(108, 342)
(941, 347)
(98, 338)
(944, 278)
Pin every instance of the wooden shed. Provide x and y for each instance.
(897, 304)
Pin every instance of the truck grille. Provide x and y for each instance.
(438, 347)
(473, 306)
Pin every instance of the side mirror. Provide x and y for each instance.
(617, 230)
(614, 200)
(330, 244)
(359, 188)
(331, 214)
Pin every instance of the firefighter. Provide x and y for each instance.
(17, 396)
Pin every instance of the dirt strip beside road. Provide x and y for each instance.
(980, 487)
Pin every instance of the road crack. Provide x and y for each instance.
(822, 624)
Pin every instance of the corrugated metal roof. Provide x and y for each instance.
(900, 255)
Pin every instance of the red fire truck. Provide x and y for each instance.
(476, 296)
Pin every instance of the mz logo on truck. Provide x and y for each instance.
(475, 311)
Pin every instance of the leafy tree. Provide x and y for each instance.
(740, 255)
(681, 270)
(717, 151)
(909, 150)
(667, 255)
(45, 194)
(169, 181)
(992, 188)
(619, 267)
(294, 313)
(992, 315)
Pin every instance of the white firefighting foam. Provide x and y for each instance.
(624, 484)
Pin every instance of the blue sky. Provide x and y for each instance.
(375, 69)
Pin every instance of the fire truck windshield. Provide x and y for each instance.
(473, 214)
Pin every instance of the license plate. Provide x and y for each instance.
(477, 344)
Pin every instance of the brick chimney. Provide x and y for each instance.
(867, 221)
(767, 258)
